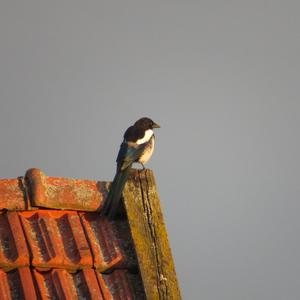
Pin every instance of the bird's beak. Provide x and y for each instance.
(155, 125)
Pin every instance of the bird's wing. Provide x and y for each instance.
(128, 154)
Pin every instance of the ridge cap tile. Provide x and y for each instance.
(36, 189)
(65, 193)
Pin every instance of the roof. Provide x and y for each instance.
(54, 244)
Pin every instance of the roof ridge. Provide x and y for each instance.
(36, 190)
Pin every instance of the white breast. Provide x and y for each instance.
(147, 152)
(148, 135)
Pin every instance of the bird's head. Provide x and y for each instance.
(145, 124)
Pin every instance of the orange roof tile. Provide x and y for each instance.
(12, 194)
(55, 245)
(38, 190)
(30, 284)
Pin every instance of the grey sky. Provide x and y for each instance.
(222, 79)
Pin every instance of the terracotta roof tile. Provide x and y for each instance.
(60, 284)
(13, 249)
(17, 284)
(116, 285)
(47, 252)
(12, 194)
(27, 283)
(56, 239)
(38, 190)
(104, 241)
(64, 193)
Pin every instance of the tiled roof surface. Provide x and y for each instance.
(55, 245)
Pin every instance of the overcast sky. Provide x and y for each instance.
(222, 79)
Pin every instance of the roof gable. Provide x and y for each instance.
(55, 245)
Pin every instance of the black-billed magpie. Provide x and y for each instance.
(137, 146)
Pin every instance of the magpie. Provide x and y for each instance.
(137, 146)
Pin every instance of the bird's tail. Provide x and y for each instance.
(112, 201)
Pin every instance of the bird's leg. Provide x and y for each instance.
(143, 166)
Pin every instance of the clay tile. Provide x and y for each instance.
(59, 284)
(65, 193)
(17, 284)
(13, 248)
(116, 285)
(56, 239)
(4, 286)
(12, 194)
(105, 245)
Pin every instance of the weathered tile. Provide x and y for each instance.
(56, 239)
(13, 248)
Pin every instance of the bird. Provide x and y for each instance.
(137, 146)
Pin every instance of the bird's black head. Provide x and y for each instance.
(145, 123)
